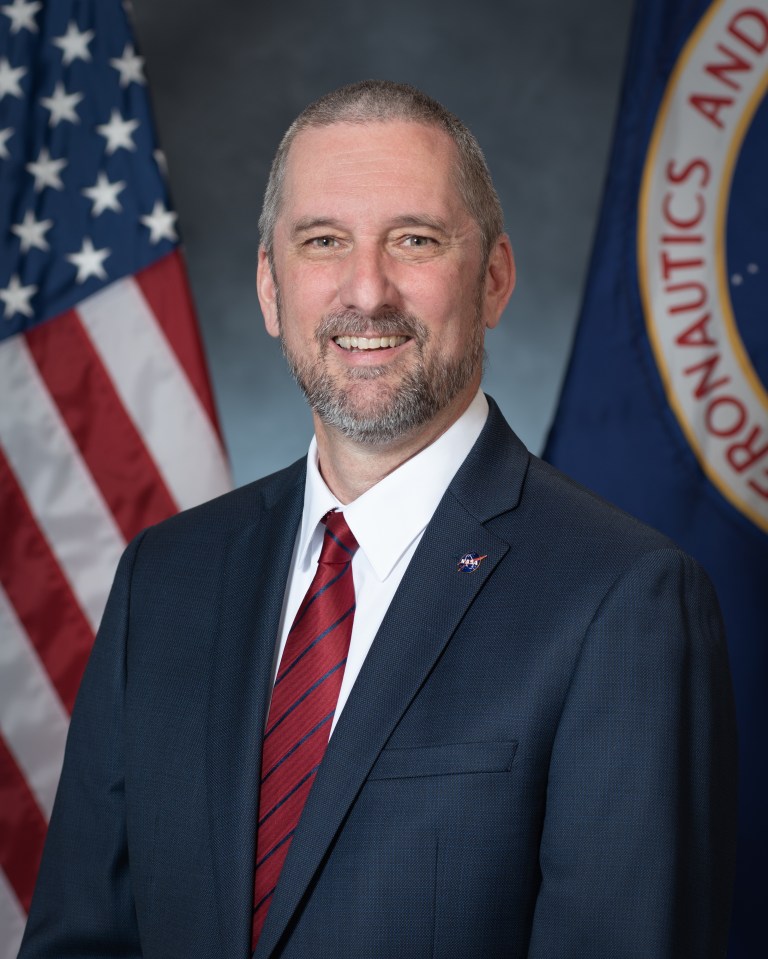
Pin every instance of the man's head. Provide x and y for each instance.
(382, 262)
(371, 101)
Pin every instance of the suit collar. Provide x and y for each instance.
(431, 601)
(389, 516)
(490, 481)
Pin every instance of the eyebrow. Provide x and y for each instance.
(421, 219)
(314, 223)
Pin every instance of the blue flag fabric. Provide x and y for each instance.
(83, 197)
(664, 409)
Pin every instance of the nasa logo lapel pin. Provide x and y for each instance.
(469, 562)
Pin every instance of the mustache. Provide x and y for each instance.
(386, 322)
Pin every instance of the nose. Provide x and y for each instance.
(366, 283)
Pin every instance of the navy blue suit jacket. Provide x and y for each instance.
(537, 759)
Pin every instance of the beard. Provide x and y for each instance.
(389, 411)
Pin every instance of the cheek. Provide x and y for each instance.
(304, 297)
(439, 287)
(445, 304)
(313, 283)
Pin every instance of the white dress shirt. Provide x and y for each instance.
(387, 521)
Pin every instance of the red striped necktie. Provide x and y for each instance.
(304, 700)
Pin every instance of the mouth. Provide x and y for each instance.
(369, 342)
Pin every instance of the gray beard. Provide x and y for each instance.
(422, 393)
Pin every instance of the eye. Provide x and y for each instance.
(415, 241)
(323, 242)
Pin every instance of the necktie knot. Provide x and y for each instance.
(339, 544)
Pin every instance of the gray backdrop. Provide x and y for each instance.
(536, 80)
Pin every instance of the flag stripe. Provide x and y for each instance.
(107, 439)
(59, 489)
(23, 828)
(166, 289)
(33, 721)
(107, 421)
(12, 920)
(39, 592)
(182, 441)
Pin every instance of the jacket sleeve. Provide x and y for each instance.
(638, 845)
(82, 906)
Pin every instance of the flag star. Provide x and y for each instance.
(9, 79)
(104, 194)
(160, 223)
(46, 171)
(130, 66)
(118, 132)
(74, 44)
(62, 105)
(89, 262)
(161, 161)
(32, 232)
(22, 14)
(5, 136)
(16, 298)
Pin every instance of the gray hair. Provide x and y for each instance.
(371, 101)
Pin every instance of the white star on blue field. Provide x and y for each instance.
(83, 196)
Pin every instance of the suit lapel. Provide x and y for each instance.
(256, 567)
(430, 602)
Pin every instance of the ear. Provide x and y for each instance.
(267, 292)
(499, 281)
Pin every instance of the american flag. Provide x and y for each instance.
(107, 422)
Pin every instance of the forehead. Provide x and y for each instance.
(399, 165)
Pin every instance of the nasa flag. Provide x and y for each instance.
(664, 409)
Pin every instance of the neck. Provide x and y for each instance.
(350, 468)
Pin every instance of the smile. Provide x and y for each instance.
(369, 342)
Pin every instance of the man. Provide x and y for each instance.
(531, 746)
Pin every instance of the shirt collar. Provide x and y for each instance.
(387, 518)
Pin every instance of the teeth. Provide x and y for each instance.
(369, 342)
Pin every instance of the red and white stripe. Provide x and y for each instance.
(107, 425)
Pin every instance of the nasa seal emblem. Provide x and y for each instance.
(703, 249)
(469, 562)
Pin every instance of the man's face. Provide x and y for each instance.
(377, 288)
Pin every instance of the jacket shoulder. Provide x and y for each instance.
(218, 519)
(578, 511)
(525, 497)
